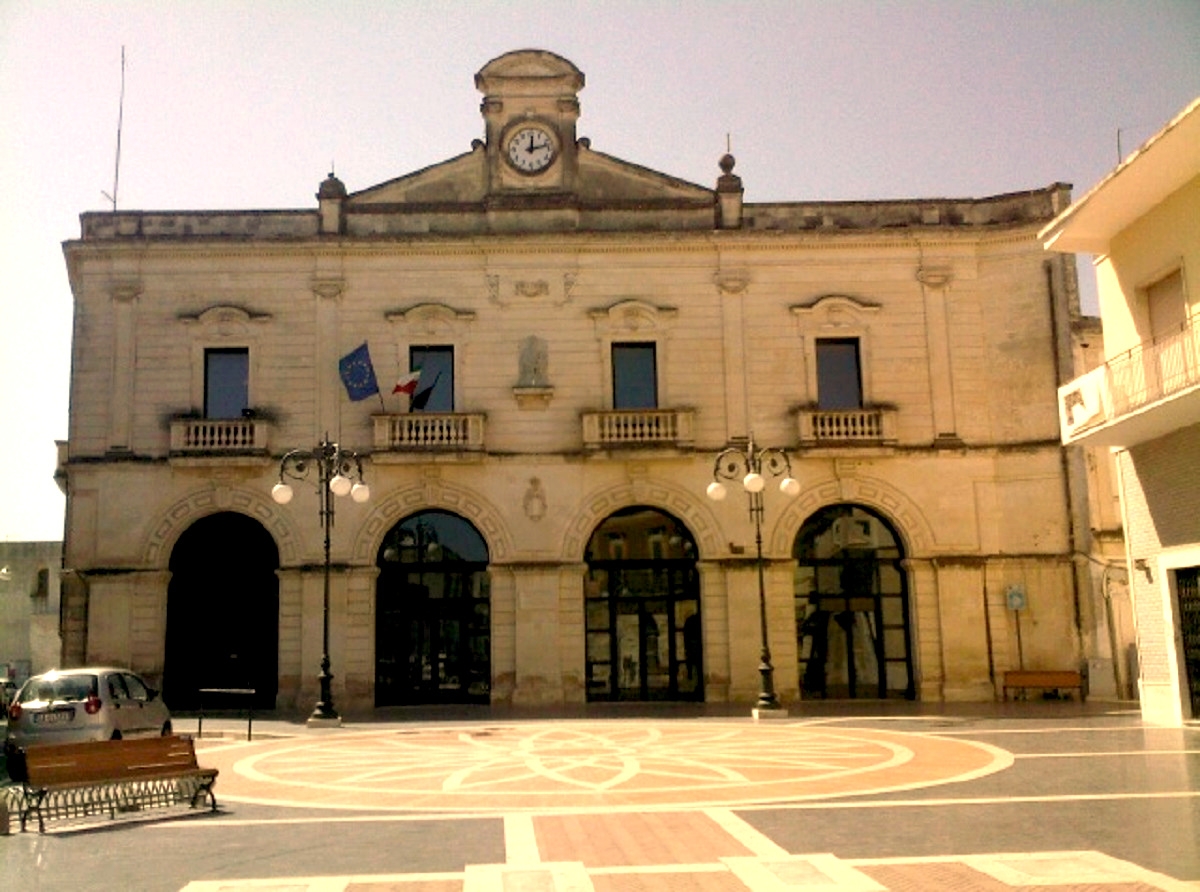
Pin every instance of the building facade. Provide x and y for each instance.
(29, 601)
(1142, 223)
(589, 335)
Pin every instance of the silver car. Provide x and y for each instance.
(77, 705)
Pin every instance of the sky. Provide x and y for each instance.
(249, 104)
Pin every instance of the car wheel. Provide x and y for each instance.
(166, 729)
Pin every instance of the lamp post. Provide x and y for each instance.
(751, 466)
(334, 467)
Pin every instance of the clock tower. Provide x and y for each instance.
(530, 106)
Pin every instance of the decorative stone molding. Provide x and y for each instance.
(631, 316)
(732, 281)
(224, 320)
(935, 276)
(533, 397)
(534, 503)
(529, 287)
(430, 320)
(329, 289)
(905, 516)
(686, 506)
(433, 492)
(835, 310)
(169, 525)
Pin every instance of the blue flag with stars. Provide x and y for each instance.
(358, 374)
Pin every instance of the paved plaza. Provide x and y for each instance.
(1030, 796)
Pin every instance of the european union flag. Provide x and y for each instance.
(358, 374)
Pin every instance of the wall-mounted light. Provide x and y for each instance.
(1141, 564)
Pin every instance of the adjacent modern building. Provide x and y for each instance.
(1142, 223)
(587, 336)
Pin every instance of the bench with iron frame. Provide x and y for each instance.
(80, 779)
(1045, 680)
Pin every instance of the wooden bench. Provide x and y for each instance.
(1045, 680)
(79, 779)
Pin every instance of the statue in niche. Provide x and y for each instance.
(533, 362)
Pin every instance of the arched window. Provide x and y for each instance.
(852, 615)
(642, 603)
(432, 613)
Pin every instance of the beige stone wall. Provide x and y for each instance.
(955, 334)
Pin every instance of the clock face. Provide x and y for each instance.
(530, 149)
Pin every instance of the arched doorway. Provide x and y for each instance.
(642, 603)
(222, 612)
(432, 613)
(852, 612)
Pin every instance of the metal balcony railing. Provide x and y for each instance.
(639, 427)
(208, 435)
(429, 430)
(1153, 370)
(847, 426)
(1130, 381)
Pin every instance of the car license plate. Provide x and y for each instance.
(54, 718)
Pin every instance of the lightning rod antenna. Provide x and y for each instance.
(120, 122)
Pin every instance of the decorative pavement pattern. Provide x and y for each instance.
(631, 806)
(579, 766)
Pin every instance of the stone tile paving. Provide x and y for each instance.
(713, 805)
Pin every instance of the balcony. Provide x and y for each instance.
(218, 436)
(429, 431)
(871, 426)
(639, 427)
(1140, 395)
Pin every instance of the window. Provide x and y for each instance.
(635, 378)
(435, 388)
(226, 382)
(1167, 307)
(137, 690)
(839, 376)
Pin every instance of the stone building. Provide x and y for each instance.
(29, 593)
(590, 334)
(1142, 223)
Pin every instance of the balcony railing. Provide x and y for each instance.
(218, 435)
(429, 431)
(847, 426)
(1131, 381)
(1149, 372)
(639, 427)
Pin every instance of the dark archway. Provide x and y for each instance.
(433, 613)
(852, 611)
(642, 604)
(222, 612)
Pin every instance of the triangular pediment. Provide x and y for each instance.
(605, 178)
(457, 180)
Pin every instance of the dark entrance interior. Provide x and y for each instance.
(852, 614)
(222, 613)
(1187, 584)
(432, 613)
(642, 603)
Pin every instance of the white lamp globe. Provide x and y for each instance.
(716, 491)
(753, 482)
(340, 485)
(360, 492)
(281, 493)
(790, 487)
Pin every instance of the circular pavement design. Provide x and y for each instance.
(579, 765)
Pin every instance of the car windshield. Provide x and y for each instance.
(67, 688)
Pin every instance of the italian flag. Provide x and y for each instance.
(407, 383)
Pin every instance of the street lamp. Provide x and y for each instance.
(749, 464)
(334, 469)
